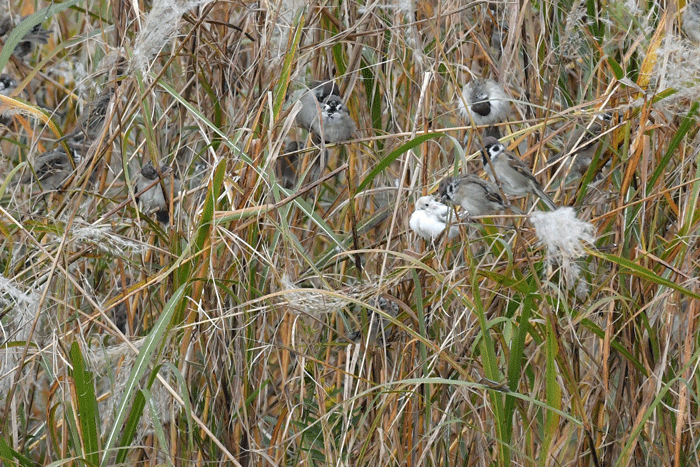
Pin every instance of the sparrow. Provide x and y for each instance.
(335, 125)
(155, 199)
(50, 169)
(36, 36)
(377, 324)
(484, 102)
(323, 89)
(430, 218)
(581, 148)
(477, 197)
(691, 20)
(324, 114)
(288, 163)
(511, 172)
(7, 84)
(90, 123)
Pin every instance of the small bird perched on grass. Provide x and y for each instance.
(35, 36)
(430, 219)
(581, 147)
(377, 324)
(50, 169)
(484, 102)
(154, 200)
(7, 84)
(511, 172)
(691, 21)
(476, 196)
(90, 123)
(324, 114)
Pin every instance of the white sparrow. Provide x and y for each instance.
(430, 218)
(511, 172)
(156, 199)
(484, 101)
(691, 20)
(477, 197)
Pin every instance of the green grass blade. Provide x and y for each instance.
(152, 342)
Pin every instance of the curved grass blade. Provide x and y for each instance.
(384, 163)
(149, 347)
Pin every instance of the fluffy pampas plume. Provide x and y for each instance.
(160, 26)
(564, 235)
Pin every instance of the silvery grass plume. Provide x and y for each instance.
(23, 306)
(104, 239)
(112, 366)
(677, 66)
(160, 26)
(564, 235)
(310, 301)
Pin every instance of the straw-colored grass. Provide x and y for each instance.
(225, 335)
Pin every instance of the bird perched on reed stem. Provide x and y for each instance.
(430, 219)
(476, 196)
(582, 146)
(155, 199)
(324, 114)
(484, 102)
(511, 172)
(90, 123)
(50, 169)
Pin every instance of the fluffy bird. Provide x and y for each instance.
(511, 172)
(90, 123)
(34, 37)
(430, 219)
(154, 199)
(483, 101)
(50, 169)
(324, 114)
(581, 148)
(691, 21)
(7, 84)
(477, 197)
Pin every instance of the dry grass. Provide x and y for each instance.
(223, 335)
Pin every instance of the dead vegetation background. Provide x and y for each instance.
(224, 334)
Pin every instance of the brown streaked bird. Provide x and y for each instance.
(89, 124)
(34, 37)
(512, 173)
(476, 196)
(581, 147)
(50, 169)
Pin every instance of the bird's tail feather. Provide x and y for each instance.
(546, 199)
